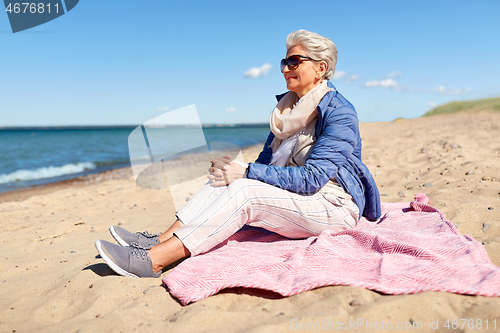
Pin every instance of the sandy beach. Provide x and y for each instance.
(52, 279)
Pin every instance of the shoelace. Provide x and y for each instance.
(139, 251)
(148, 235)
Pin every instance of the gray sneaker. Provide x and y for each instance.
(125, 238)
(130, 260)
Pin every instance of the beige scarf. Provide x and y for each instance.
(290, 119)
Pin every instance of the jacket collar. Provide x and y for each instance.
(326, 99)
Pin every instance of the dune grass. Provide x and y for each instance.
(479, 105)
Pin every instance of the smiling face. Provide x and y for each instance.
(306, 76)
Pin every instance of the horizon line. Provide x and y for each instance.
(64, 127)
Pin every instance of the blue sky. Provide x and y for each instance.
(124, 62)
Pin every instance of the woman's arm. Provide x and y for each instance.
(334, 145)
(266, 154)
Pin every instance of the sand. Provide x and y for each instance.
(52, 279)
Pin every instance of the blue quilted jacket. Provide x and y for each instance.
(337, 153)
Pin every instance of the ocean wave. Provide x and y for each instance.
(46, 172)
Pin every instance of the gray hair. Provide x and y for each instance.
(317, 47)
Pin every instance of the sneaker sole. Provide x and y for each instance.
(110, 262)
(116, 237)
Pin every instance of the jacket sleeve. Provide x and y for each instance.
(266, 154)
(336, 142)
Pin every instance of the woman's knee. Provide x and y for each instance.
(241, 184)
(245, 190)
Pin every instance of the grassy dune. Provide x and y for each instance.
(484, 105)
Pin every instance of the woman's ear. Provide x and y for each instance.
(322, 68)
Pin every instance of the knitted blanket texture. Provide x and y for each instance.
(412, 248)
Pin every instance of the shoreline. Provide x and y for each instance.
(95, 178)
(22, 194)
(70, 152)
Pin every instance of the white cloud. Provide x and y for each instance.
(230, 109)
(447, 91)
(163, 109)
(338, 74)
(394, 74)
(256, 72)
(432, 104)
(387, 83)
(345, 76)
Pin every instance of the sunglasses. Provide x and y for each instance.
(293, 61)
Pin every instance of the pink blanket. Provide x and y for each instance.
(412, 248)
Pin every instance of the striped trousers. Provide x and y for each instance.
(216, 213)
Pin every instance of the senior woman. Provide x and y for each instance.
(308, 178)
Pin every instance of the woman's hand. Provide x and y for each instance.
(223, 172)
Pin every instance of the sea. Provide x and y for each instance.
(33, 156)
